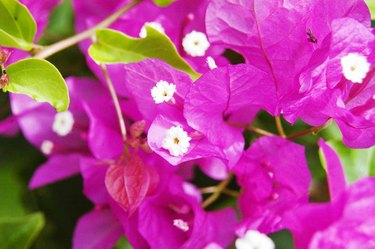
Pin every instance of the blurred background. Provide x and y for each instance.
(45, 218)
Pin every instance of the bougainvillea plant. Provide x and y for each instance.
(172, 135)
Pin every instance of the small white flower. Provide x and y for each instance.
(163, 91)
(213, 245)
(181, 225)
(195, 44)
(211, 63)
(155, 25)
(355, 67)
(254, 240)
(63, 123)
(176, 141)
(47, 147)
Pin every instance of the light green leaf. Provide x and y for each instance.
(122, 243)
(371, 5)
(163, 3)
(19, 233)
(17, 26)
(357, 163)
(40, 80)
(115, 47)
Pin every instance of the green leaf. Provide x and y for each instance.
(357, 163)
(115, 47)
(19, 233)
(17, 26)
(283, 239)
(122, 243)
(40, 80)
(163, 3)
(11, 190)
(371, 5)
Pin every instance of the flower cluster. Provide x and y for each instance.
(310, 60)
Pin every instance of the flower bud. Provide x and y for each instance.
(4, 55)
(4, 81)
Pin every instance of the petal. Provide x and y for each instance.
(335, 173)
(98, 229)
(57, 167)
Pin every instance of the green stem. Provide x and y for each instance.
(251, 128)
(45, 52)
(279, 127)
(218, 190)
(115, 101)
(312, 130)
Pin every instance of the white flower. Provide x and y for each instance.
(63, 123)
(355, 67)
(47, 147)
(254, 240)
(195, 44)
(155, 25)
(181, 225)
(163, 91)
(176, 141)
(211, 62)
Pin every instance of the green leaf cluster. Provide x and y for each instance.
(115, 47)
(17, 26)
(40, 80)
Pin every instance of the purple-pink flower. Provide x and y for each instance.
(345, 222)
(275, 179)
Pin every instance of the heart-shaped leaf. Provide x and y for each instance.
(17, 26)
(115, 47)
(40, 80)
(128, 183)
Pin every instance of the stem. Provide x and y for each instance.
(259, 131)
(212, 189)
(230, 192)
(219, 189)
(4, 109)
(208, 190)
(115, 101)
(279, 127)
(47, 51)
(251, 128)
(312, 130)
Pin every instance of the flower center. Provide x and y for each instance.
(63, 123)
(47, 147)
(182, 225)
(195, 44)
(355, 67)
(176, 141)
(163, 91)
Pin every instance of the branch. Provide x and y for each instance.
(219, 189)
(115, 101)
(279, 127)
(251, 128)
(45, 52)
(312, 130)
(259, 131)
(212, 189)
